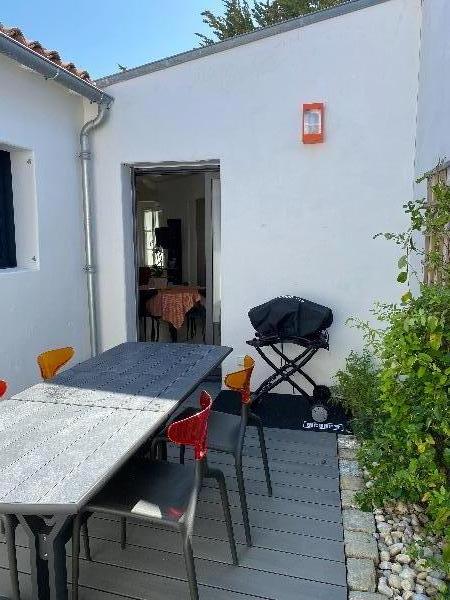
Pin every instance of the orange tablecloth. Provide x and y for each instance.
(172, 304)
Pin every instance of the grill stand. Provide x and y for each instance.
(291, 366)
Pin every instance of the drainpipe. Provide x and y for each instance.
(85, 156)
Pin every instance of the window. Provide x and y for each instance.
(7, 227)
(150, 222)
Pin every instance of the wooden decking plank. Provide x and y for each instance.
(255, 462)
(276, 522)
(286, 456)
(329, 484)
(292, 446)
(305, 494)
(281, 506)
(317, 438)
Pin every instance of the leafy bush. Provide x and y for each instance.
(357, 390)
(402, 409)
(408, 452)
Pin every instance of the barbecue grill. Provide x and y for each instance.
(299, 322)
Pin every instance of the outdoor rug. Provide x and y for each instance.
(285, 411)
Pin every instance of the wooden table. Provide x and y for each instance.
(60, 442)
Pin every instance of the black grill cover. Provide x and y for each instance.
(288, 316)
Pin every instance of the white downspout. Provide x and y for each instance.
(85, 156)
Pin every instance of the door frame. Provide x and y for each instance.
(211, 170)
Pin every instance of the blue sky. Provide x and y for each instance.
(98, 35)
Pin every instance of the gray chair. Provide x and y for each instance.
(161, 493)
(226, 433)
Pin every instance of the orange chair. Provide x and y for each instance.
(51, 361)
(3, 387)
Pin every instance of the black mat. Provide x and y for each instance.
(285, 411)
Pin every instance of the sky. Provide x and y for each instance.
(98, 35)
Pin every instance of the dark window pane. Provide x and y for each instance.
(7, 232)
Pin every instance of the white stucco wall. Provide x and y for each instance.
(295, 219)
(433, 128)
(42, 303)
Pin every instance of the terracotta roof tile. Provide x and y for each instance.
(16, 34)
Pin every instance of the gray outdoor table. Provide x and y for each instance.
(61, 441)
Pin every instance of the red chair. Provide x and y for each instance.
(162, 493)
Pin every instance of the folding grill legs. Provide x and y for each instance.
(285, 372)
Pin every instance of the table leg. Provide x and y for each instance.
(173, 333)
(48, 537)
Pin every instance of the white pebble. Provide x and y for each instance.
(395, 549)
(403, 559)
(394, 581)
(407, 573)
(407, 585)
(437, 583)
(383, 588)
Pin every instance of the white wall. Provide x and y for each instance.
(42, 302)
(295, 219)
(433, 130)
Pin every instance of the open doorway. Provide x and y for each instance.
(177, 249)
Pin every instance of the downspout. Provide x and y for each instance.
(86, 156)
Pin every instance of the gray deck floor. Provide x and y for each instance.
(298, 551)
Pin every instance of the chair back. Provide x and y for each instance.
(3, 387)
(193, 430)
(239, 381)
(51, 361)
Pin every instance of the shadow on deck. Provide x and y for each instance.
(298, 551)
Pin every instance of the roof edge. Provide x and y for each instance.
(17, 51)
(239, 40)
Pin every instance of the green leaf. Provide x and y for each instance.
(407, 297)
(403, 262)
(421, 372)
(447, 457)
(436, 340)
(433, 322)
(402, 277)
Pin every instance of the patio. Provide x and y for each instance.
(298, 542)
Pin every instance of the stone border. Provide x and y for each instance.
(361, 548)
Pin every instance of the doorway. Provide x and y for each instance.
(177, 252)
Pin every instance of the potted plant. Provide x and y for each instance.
(158, 279)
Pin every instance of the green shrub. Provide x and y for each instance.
(357, 390)
(408, 452)
(402, 407)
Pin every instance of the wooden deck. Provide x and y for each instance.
(298, 551)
